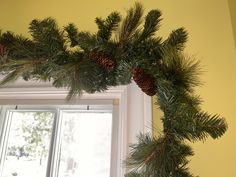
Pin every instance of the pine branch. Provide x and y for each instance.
(143, 53)
(134, 174)
(123, 74)
(130, 23)
(181, 71)
(106, 27)
(177, 39)
(157, 157)
(47, 36)
(152, 24)
(87, 41)
(178, 110)
(74, 87)
(198, 126)
(182, 172)
(212, 125)
(82, 75)
(7, 38)
(18, 46)
(17, 69)
(72, 33)
(11, 77)
(143, 151)
(61, 76)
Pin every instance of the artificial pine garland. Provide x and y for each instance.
(92, 62)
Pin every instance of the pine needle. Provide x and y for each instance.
(152, 24)
(131, 22)
(177, 39)
(107, 26)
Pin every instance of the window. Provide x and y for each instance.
(131, 112)
(25, 145)
(64, 141)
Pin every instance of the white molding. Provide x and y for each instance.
(36, 91)
(147, 114)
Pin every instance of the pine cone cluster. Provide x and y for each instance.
(144, 80)
(105, 61)
(3, 50)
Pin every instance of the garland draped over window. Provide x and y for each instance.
(121, 50)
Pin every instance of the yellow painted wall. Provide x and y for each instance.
(232, 8)
(211, 41)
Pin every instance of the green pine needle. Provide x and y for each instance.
(72, 33)
(131, 23)
(177, 39)
(106, 27)
(48, 37)
(87, 41)
(133, 174)
(198, 126)
(11, 77)
(212, 125)
(181, 71)
(152, 24)
(183, 172)
(157, 156)
(18, 46)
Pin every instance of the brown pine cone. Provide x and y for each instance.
(145, 81)
(3, 50)
(105, 61)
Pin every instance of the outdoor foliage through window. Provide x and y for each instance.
(28, 144)
(84, 144)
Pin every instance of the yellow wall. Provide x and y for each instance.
(211, 41)
(232, 8)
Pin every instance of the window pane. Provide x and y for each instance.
(28, 144)
(85, 145)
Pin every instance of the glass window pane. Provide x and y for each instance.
(85, 144)
(28, 144)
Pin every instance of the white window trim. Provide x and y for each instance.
(135, 113)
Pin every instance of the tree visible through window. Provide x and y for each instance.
(27, 145)
(84, 143)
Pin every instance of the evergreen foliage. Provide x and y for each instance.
(67, 57)
(106, 27)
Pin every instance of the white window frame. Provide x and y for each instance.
(129, 102)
